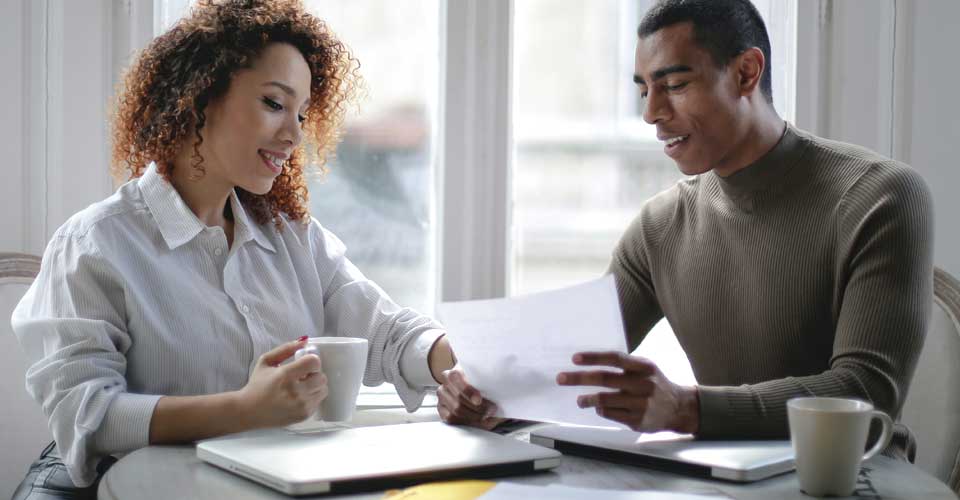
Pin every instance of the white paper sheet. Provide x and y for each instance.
(515, 491)
(512, 349)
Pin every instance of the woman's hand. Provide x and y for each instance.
(280, 395)
(461, 403)
(642, 397)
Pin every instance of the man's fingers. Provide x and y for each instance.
(280, 353)
(598, 378)
(626, 417)
(613, 400)
(637, 364)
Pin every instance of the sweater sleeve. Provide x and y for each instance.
(630, 267)
(884, 292)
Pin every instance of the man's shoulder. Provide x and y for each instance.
(660, 212)
(857, 169)
(854, 159)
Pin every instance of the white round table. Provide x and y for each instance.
(165, 472)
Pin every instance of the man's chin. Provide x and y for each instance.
(691, 168)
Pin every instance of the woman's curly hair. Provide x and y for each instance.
(167, 89)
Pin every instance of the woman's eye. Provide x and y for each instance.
(272, 104)
(301, 118)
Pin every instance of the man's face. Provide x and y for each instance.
(693, 103)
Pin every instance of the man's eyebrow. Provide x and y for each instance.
(662, 72)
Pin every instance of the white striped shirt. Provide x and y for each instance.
(137, 299)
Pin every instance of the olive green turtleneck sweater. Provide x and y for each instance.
(806, 273)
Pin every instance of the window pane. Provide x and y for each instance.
(585, 160)
(378, 194)
(378, 197)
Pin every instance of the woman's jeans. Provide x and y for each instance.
(48, 479)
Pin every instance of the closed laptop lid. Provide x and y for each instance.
(731, 460)
(371, 458)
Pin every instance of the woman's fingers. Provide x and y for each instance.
(280, 353)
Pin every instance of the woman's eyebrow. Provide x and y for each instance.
(282, 86)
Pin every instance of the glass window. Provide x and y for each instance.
(585, 161)
(379, 194)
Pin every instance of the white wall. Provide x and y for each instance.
(61, 57)
(932, 117)
(887, 76)
(11, 125)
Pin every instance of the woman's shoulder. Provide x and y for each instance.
(309, 234)
(107, 215)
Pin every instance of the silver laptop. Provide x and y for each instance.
(372, 458)
(741, 461)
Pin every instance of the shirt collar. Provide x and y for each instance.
(178, 224)
(245, 229)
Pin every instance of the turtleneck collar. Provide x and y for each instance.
(744, 186)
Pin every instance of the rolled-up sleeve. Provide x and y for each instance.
(354, 306)
(72, 327)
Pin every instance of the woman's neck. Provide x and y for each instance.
(206, 197)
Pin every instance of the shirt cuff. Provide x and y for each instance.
(126, 424)
(414, 365)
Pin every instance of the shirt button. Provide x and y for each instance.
(245, 309)
(218, 251)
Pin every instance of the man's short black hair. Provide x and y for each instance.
(724, 28)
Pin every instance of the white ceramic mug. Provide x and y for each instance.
(343, 360)
(829, 436)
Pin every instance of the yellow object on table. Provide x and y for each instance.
(448, 490)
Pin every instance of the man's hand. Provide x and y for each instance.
(643, 399)
(461, 403)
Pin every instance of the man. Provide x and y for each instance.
(788, 265)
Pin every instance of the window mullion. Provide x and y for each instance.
(475, 148)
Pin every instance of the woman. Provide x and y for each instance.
(163, 313)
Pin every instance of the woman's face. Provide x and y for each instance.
(252, 129)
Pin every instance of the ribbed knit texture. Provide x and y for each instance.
(807, 273)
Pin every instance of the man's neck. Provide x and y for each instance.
(758, 137)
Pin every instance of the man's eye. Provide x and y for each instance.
(272, 104)
(677, 86)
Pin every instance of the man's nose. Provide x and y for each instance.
(656, 108)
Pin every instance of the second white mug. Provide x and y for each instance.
(829, 436)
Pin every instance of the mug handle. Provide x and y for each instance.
(885, 435)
